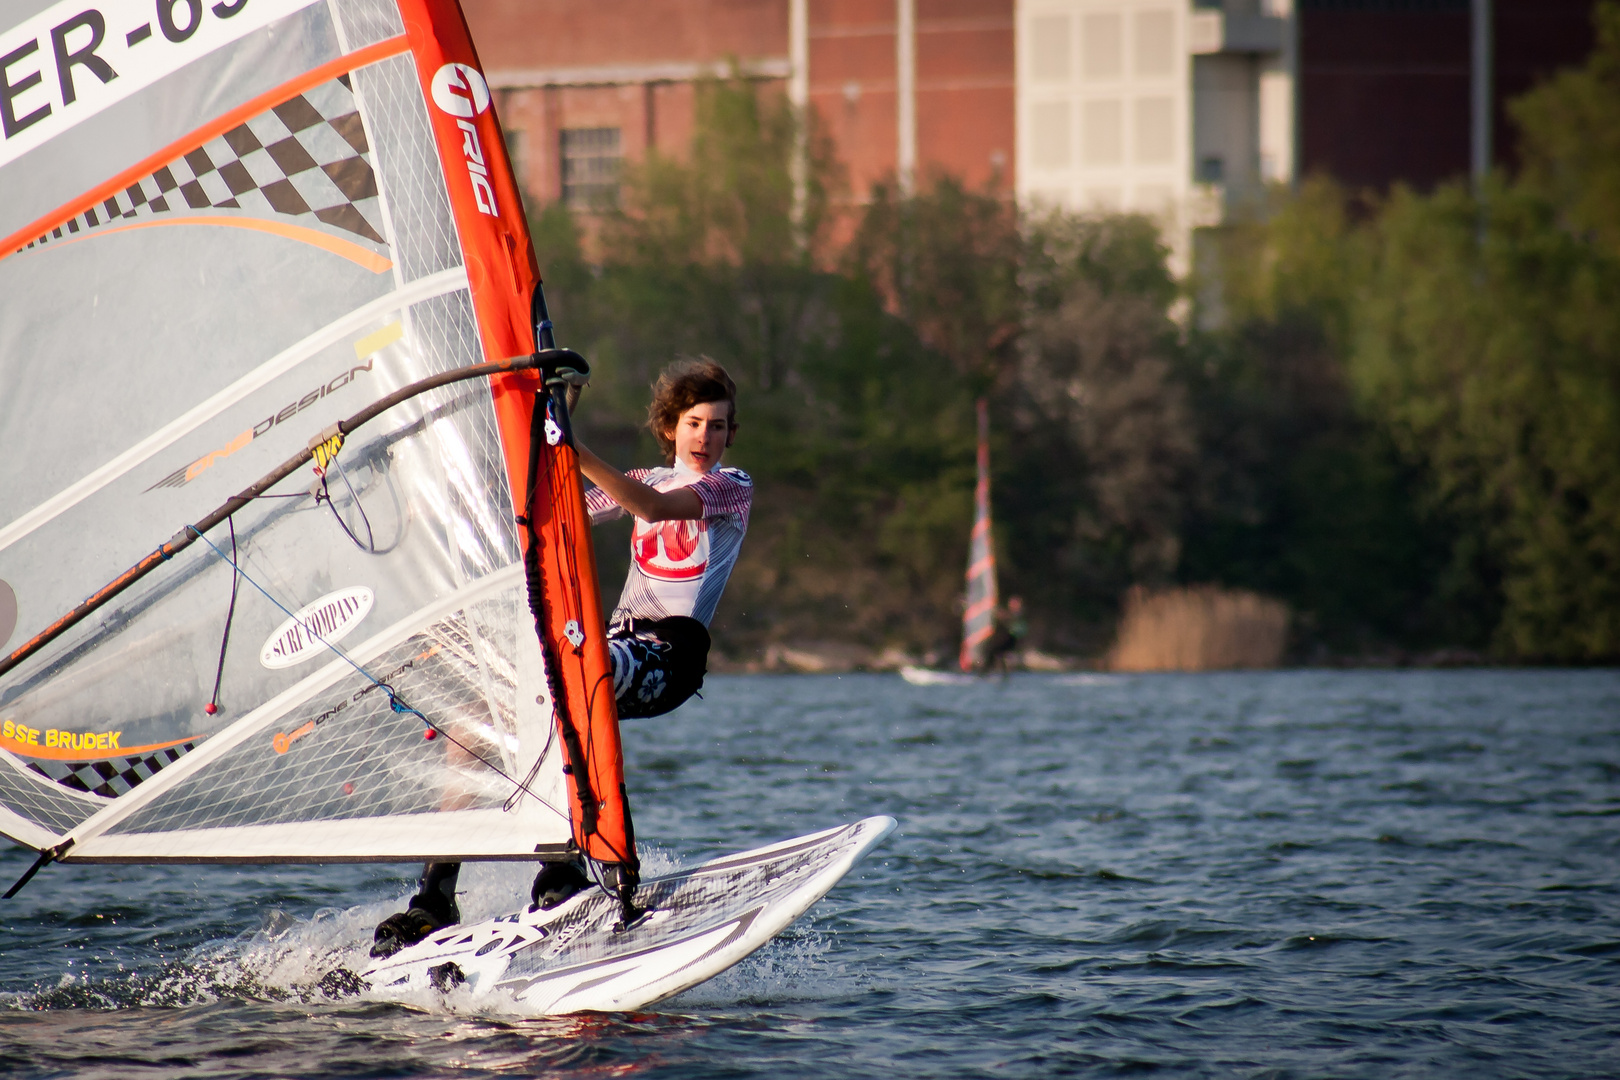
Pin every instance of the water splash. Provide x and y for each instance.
(794, 966)
(289, 957)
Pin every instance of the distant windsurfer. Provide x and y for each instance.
(690, 519)
(1010, 629)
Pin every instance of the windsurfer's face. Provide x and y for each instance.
(702, 434)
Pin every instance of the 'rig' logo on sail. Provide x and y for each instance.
(461, 91)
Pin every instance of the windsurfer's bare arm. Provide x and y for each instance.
(646, 503)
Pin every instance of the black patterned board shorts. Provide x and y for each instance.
(657, 663)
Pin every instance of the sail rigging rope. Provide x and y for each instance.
(230, 614)
(553, 362)
(395, 702)
(324, 494)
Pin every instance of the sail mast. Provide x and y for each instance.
(544, 474)
(978, 619)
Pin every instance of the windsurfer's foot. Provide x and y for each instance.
(405, 928)
(557, 882)
(433, 906)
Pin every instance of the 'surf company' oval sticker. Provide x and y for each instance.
(324, 622)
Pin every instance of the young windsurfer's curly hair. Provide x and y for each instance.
(682, 385)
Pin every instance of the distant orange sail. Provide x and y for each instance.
(978, 619)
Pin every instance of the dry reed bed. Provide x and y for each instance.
(1202, 628)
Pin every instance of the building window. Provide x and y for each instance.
(590, 167)
(1155, 131)
(1049, 134)
(1100, 46)
(1049, 48)
(1155, 43)
(1211, 169)
(1102, 136)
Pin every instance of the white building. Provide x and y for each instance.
(1155, 106)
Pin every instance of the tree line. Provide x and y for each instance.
(1398, 413)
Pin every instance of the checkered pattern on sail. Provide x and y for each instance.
(110, 777)
(306, 159)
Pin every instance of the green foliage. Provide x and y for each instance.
(1570, 139)
(1415, 420)
(730, 200)
(1299, 266)
(1300, 494)
(1099, 361)
(1491, 349)
(1116, 254)
(1405, 421)
(948, 261)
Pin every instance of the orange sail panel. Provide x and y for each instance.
(503, 274)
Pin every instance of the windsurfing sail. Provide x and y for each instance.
(279, 579)
(978, 617)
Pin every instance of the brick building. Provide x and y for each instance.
(1176, 108)
(1387, 86)
(902, 87)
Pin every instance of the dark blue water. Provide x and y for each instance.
(1366, 874)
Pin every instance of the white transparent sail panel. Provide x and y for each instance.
(344, 754)
(424, 229)
(46, 809)
(166, 348)
(366, 22)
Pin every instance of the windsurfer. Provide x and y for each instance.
(1010, 629)
(690, 519)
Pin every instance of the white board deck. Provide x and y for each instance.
(921, 676)
(701, 921)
